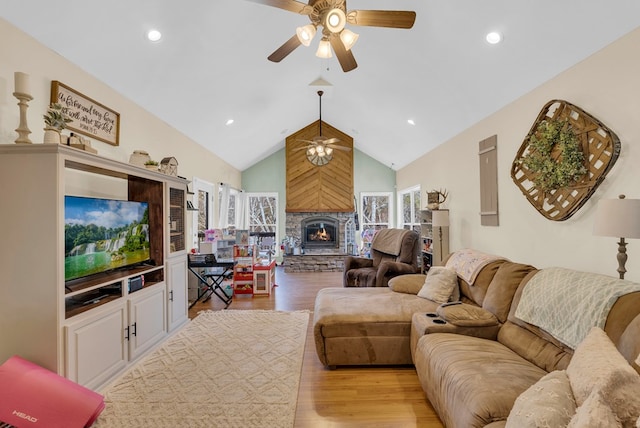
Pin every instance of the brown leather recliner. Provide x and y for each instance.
(393, 252)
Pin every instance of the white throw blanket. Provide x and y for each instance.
(568, 303)
(468, 263)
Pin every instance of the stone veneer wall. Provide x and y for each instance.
(314, 263)
(316, 259)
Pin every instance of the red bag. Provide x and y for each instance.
(31, 396)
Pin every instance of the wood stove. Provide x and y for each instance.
(320, 232)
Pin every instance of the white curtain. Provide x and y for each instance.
(223, 215)
(242, 200)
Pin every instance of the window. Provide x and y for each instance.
(203, 192)
(263, 212)
(409, 207)
(228, 213)
(376, 211)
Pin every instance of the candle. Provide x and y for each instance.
(22, 83)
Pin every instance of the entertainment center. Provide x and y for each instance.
(94, 325)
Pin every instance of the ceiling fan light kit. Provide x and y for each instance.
(332, 16)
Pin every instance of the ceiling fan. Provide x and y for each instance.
(332, 16)
(320, 149)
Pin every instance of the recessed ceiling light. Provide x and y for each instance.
(154, 35)
(411, 122)
(494, 37)
(229, 122)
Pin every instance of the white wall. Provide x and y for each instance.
(139, 129)
(606, 85)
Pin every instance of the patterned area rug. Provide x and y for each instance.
(233, 368)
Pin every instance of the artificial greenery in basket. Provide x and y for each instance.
(554, 171)
(56, 118)
(151, 164)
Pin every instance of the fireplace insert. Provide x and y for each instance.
(320, 232)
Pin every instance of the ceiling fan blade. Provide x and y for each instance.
(331, 141)
(345, 57)
(382, 18)
(284, 50)
(344, 149)
(290, 5)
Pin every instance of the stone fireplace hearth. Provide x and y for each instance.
(324, 243)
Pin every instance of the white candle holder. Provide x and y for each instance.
(23, 130)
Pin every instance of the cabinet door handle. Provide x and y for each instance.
(171, 295)
(126, 333)
(135, 329)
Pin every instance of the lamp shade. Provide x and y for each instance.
(305, 34)
(618, 217)
(440, 218)
(348, 38)
(335, 20)
(324, 49)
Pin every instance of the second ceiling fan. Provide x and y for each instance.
(332, 16)
(320, 149)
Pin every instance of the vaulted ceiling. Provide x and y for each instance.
(211, 65)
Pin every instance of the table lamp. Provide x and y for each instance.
(620, 218)
(440, 219)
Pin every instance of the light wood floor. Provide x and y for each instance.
(347, 396)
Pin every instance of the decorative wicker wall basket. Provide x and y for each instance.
(600, 146)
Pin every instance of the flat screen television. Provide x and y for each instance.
(103, 234)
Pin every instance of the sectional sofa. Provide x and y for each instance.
(512, 328)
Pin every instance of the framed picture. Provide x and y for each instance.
(88, 116)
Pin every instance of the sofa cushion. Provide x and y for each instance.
(547, 403)
(410, 283)
(354, 326)
(465, 315)
(471, 382)
(475, 293)
(503, 286)
(439, 284)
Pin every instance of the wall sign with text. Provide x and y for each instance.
(89, 117)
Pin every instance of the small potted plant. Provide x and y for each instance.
(55, 120)
(151, 164)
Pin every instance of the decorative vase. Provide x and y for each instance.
(51, 136)
(139, 157)
(152, 167)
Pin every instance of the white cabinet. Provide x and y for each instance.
(102, 342)
(147, 320)
(177, 293)
(96, 347)
(78, 328)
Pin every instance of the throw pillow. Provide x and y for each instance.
(547, 403)
(621, 393)
(409, 284)
(594, 413)
(594, 361)
(439, 284)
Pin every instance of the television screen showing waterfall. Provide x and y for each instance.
(103, 234)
